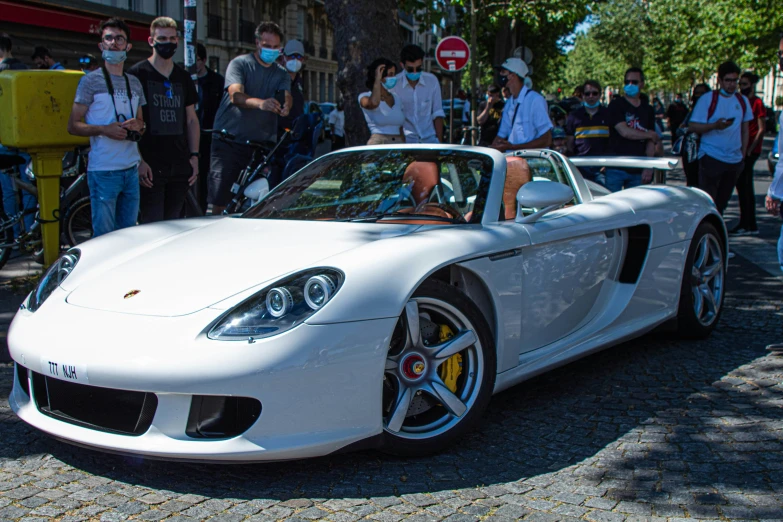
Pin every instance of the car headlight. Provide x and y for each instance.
(279, 307)
(52, 278)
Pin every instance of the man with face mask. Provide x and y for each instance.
(293, 59)
(525, 123)
(587, 129)
(108, 109)
(632, 129)
(258, 92)
(419, 92)
(171, 145)
(722, 120)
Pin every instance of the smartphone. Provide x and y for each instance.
(730, 120)
(280, 97)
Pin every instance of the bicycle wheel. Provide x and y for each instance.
(78, 222)
(7, 238)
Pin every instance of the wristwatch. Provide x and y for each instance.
(196, 154)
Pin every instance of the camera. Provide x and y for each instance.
(133, 136)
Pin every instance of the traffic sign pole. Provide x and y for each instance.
(452, 55)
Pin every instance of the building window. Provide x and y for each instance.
(214, 63)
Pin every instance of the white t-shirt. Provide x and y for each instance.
(384, 119)
(107, 154)
(723, 145)
(337, 121)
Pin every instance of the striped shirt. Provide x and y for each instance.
(591, 133)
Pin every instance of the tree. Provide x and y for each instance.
(364, 30)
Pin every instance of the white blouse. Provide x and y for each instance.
(384, 119)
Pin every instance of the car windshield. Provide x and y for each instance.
(389, 185)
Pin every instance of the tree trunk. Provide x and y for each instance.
(363, 31)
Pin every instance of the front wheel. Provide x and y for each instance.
(439, 374)
(703, 284)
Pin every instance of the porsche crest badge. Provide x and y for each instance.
(131, 294)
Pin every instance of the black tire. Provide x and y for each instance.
(704, 273)
(77, 224)
(426, 421)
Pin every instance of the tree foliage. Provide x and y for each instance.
(677, 43)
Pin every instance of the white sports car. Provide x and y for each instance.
(379, 297)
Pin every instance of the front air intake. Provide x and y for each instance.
(221, 417)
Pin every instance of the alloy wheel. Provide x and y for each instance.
(707, 279)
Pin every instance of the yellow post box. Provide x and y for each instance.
(35, 108)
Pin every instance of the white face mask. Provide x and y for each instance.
(293, 66)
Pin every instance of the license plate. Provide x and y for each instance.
(63, 370)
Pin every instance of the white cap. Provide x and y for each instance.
(516, 66)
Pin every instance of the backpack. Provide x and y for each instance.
(714, 104)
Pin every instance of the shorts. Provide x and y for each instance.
(227, 162)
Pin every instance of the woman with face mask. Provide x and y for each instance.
(381, 107)
(747, 197)
(690, 147)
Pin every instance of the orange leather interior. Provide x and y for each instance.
(425, 176)
(517, 174)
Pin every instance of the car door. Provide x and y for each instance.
(574, 255)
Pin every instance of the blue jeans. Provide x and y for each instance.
(593, 174)
(617, 180)
(11, 205)
(114, 197)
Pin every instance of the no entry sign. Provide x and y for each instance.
(452, 53)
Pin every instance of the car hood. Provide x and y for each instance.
(207, 264)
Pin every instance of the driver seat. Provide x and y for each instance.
(425, 177)
(517, 174)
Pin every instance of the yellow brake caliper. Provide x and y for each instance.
(450, 370)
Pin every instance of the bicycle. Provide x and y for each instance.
(254, 168)
(74, 214)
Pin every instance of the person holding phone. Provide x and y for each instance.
(251, 105)
(722, 120)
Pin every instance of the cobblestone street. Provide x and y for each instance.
(653, 429)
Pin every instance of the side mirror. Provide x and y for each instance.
(541, 197)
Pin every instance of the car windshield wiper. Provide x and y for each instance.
(399, 215)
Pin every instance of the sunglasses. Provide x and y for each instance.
(414, 69)
(295, 56)
(592, 93)
(169, 90)
(631, 82)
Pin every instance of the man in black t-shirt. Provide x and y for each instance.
(632, 132)
(170, 147)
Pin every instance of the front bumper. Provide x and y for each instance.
(319, 385)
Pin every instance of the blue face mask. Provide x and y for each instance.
(269, 55)
(591, 105)
(631, 90)
(414, 77)
(114, 57)
(390, 82)
(725, 93)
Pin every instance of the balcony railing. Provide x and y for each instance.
(247, 31)
(215, 27)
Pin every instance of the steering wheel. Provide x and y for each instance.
(423, 208)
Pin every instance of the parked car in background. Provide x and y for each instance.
(773, 157)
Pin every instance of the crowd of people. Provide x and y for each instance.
(147, 148)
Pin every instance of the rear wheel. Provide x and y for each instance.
(703, 284)
(78, 222)
(440, 371)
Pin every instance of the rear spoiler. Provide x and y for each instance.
(627, 162)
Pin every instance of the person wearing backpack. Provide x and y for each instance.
(722, 120)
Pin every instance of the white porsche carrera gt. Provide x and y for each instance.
(379, 297)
